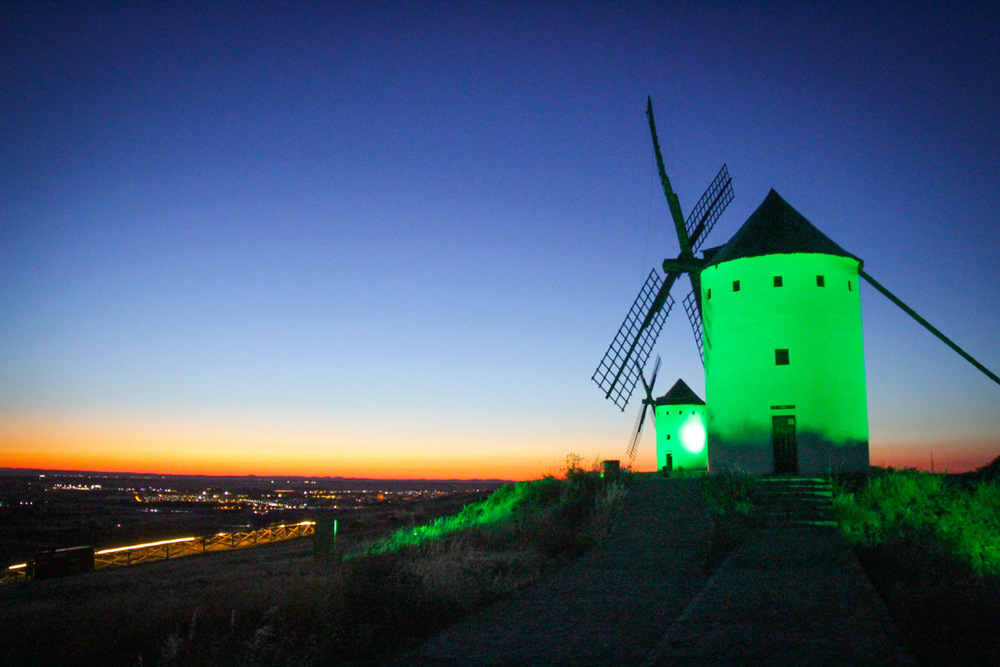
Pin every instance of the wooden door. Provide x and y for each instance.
(786, 459)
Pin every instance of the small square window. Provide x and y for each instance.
(777, 281)
(781, 357)
(709, 292)
(668, 436)
(820, 281)
(736, 286)
(850, 287)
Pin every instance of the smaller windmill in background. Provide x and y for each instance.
(679, 418)
(680, 430)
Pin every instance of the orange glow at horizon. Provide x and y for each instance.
(263, 452)
(261, 449)
(958, 456)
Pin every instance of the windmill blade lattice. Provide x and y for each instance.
(622, 364)
(708, 209)
(649, 386)
(633, 443)
(694, 316)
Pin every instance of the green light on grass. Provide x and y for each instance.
(502, 506)
(930, 512)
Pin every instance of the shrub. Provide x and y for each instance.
(417, 580)
(728, 493)
(907, 503)
(991, 471)
(931, 546)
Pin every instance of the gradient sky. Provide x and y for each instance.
(394, 240)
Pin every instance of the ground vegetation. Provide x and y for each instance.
(359, 603)
(930, 544)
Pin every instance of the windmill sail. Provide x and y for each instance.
(647, 403)
(709, 208)
(694, 316)
(622, 364)
(633, 443)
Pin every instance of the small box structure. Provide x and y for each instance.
(62, 562)
(680, 430)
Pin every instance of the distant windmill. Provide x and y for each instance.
(776, 314)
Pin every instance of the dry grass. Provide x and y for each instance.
(277, 605)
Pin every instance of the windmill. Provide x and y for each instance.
(623, 363)
(776, 314)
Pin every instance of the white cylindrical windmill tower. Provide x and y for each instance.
(680, 430)
(784, 356)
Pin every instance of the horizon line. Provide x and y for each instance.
(256, 476)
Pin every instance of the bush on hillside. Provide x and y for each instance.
(401, 589)
(991, 471)
(931, 546)
(728, 493)
(908, 504)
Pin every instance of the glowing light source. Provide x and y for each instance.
(148, 544)
(692, 436)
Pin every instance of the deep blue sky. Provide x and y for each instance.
(366, 233)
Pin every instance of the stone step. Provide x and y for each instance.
(779, 501)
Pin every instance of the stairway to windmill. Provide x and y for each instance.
(790, 501)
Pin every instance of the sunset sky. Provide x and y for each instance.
(395, 239)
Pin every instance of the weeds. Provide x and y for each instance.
(727, 497)
(362, 610)
(908, 504)
(931, 546)
(418, 580)
(728, 493)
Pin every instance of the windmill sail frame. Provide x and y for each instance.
(708, 209)
(619, 370)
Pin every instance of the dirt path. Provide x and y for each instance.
(788, 596)
(610, 607)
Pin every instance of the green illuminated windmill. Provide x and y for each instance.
(782, 347)
(680, 430)
(784, 356)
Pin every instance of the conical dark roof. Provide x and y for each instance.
(680, 394)
(776, 228)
